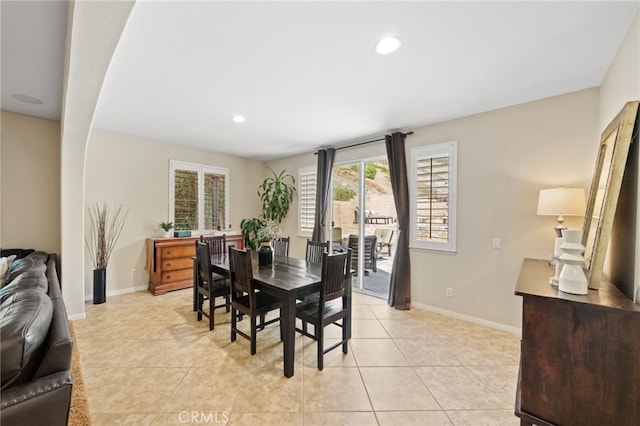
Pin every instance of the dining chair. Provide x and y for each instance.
(315, 249)
(331, 305)
(281, 246)
(208, 287)
(245, 300)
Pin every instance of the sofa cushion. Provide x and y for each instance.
(5, 265)
(25, 318)
(33, 262)
(20, 253)
(32, 279)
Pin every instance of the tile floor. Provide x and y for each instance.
(147, 361)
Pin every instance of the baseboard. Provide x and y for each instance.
(481, 321)
(76, 317)
(89, 297)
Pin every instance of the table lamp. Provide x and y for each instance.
(560, 202)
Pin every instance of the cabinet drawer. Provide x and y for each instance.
(178, 251)
(177, 275)
(171, 264)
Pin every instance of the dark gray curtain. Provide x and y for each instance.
(323, 179)
(400, 281)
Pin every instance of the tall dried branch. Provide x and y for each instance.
(106, 226)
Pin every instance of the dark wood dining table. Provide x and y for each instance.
(288, 279)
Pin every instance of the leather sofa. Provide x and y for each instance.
(35, 343)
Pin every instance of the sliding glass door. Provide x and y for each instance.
(364, 219)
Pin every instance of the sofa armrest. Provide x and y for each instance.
(43, 401)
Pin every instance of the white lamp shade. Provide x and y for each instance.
(561, 201)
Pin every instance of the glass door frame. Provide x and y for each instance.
(361, 213)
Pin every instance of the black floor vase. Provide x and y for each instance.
(99, 286)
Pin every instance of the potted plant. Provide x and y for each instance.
(166, 227)
(265, 235)
(106, 226)
(276, 194)
(250, 228)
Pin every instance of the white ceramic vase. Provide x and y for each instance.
(572, 278)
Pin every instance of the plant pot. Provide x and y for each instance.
(265, 254)
(99, 286)
(168, 234)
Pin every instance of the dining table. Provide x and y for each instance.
(289, 279)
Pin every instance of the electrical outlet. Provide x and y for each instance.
(449, 291)
(133, 272)
(496, 243)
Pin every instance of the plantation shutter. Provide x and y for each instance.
(214, 200)
(198, 194)
(185, 199)
(432, 198)
(307, 200)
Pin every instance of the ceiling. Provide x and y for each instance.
(305, 74)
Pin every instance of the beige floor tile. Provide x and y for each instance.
(362, 312)
(501, 380)
(456, 388)
(266, 419)
(377, 353)
(397, 389)
(367, 329)
(130, 390)
(334, 389)
(429, 352)
(340, 418)
(333, 358)
(206, 390)
(110, 419)
(408, 328)
(483, 417)
(146, 360)
(417, 418)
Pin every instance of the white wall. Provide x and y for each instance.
(504, 158)
(30, 183)
(134, 172)
(620, 85)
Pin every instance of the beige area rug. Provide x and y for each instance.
(79, 412)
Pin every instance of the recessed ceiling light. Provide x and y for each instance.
(238, 119)
(25, 98)
(387, 45)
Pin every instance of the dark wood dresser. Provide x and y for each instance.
(580, 355)
(170, 262)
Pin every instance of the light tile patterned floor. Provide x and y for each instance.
(147, 361)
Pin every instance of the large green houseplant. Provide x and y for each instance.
(276, 194)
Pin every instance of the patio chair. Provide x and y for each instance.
(384, 239)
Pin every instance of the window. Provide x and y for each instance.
(432, 196)
(198, 196)
(306, 200)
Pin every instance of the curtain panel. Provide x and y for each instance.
(400, 281)
(323, 181)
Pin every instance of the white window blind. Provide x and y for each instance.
(198, 196)
(433, 196)
(306, 200)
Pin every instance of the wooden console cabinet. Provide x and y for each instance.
(170, 262)
(580, 355)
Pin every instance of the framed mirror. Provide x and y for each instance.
(605, 189)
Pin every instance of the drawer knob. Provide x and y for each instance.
(168, 277)
(168, 251)
(168, 264)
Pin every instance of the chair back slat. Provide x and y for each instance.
(217, 243)
(370, 242)
(315, 249)
(336, 274)
(281, 246)
(203, 262)
(242, 271)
